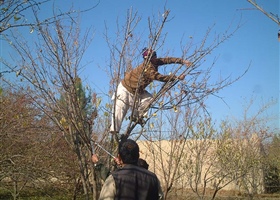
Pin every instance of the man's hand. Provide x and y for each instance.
(182, 77)
(187, 63)
(118, 161)
(94, 158)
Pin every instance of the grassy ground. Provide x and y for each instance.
(39, 197)
(36, 195)
(222, 195)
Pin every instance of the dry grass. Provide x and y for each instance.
(187, 194)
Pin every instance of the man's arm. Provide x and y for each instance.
(108, 190)
(170, 60)
(155, 75)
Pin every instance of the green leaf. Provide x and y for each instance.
(4, 9)
(16, 18)
(98, 102)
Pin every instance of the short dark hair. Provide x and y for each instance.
(129, 151)
(143, 163)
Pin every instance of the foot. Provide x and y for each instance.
(139, 120)
(114, 132)
(120, 137)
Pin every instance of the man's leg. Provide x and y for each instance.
(145, 99)
(121, 107)
(142, 107)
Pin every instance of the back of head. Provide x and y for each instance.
(129, 151)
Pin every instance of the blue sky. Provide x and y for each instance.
(255, 42)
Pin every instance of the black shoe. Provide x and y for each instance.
(120, 137)
(139, 120)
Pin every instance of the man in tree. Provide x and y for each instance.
(132, 88)
(130, 181)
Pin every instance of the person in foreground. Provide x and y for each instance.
(145, 165)
(131, 182)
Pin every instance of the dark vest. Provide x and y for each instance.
(135, 183)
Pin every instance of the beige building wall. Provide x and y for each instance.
(197, 163)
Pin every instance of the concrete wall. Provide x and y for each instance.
(198, 163)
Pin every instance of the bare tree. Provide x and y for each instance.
(124, 55)
(26, 137)
(27, 14)
(184, 156)
(14, 14)
(191, 155)
(34, 153)
(272, 165)
(247, 138)
(186, 97)
(50, 69)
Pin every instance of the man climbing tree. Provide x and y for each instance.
(131, 91)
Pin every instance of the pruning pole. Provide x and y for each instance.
(105, 150)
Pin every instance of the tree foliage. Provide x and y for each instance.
(30, 157)
(49, 69)
(272, 165)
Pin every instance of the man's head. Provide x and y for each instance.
(129, 151)
(149, 53)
